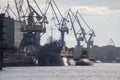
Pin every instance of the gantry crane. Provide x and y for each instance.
(79, 36)
(89, 41)
(32, 24)
(59, 23)
(91, 33)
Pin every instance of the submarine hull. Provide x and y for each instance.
(84, 62)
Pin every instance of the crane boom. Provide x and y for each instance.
(19, 4)
(72, 24)
(61, 23)
(82, 34)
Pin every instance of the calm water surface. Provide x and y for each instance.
(100, 71)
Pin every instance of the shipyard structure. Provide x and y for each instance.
(13, 35)
(48, 54)
(23, 36)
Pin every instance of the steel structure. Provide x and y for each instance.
(32, 24)
(59, 23)
(79, 36)
(91, 33)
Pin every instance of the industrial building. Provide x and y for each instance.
(12, 33)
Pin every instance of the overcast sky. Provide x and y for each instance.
(103, 16)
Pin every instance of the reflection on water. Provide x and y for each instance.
(100, 71)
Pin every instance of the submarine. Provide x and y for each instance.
(50, 54)
(84, 60)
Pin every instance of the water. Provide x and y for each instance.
(100, 71)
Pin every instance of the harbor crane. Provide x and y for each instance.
(32, 24)
(91, 33)
(61, 24)
(80, 53)
(79, 36)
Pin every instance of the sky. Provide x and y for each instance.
(103, 16)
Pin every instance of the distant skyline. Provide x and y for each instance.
(103, 16)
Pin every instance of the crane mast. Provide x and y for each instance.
(90, 40)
